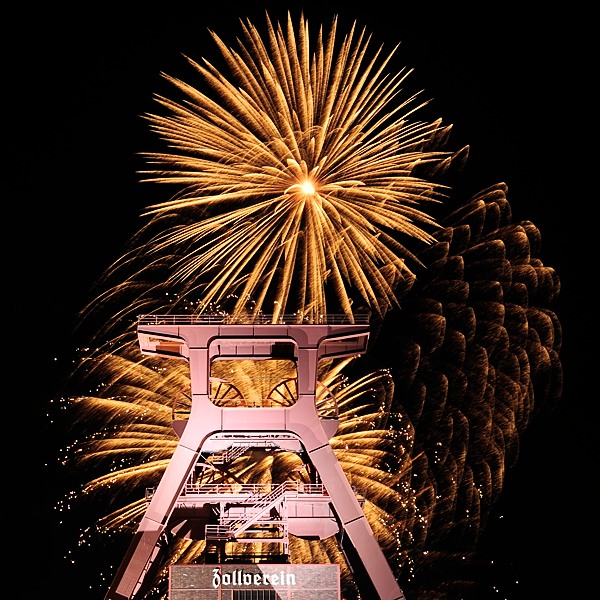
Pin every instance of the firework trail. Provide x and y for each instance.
(305, 186)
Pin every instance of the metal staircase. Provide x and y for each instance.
(260, 506)
(225, 457)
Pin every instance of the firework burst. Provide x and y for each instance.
(306, 160)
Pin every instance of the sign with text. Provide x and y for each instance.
(254, 582)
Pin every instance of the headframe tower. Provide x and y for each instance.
(293, 415)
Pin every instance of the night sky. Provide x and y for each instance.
(77, 85)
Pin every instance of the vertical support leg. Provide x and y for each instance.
(355, 524)
(142, 548)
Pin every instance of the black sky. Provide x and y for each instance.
(509, 83)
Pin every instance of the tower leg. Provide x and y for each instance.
(355, 524)
(143, 547)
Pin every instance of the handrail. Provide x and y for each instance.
(261, 319)
(292, 488)
(253, 488)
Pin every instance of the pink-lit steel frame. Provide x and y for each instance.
(201, 340)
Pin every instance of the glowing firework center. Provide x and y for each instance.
(279, 408)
